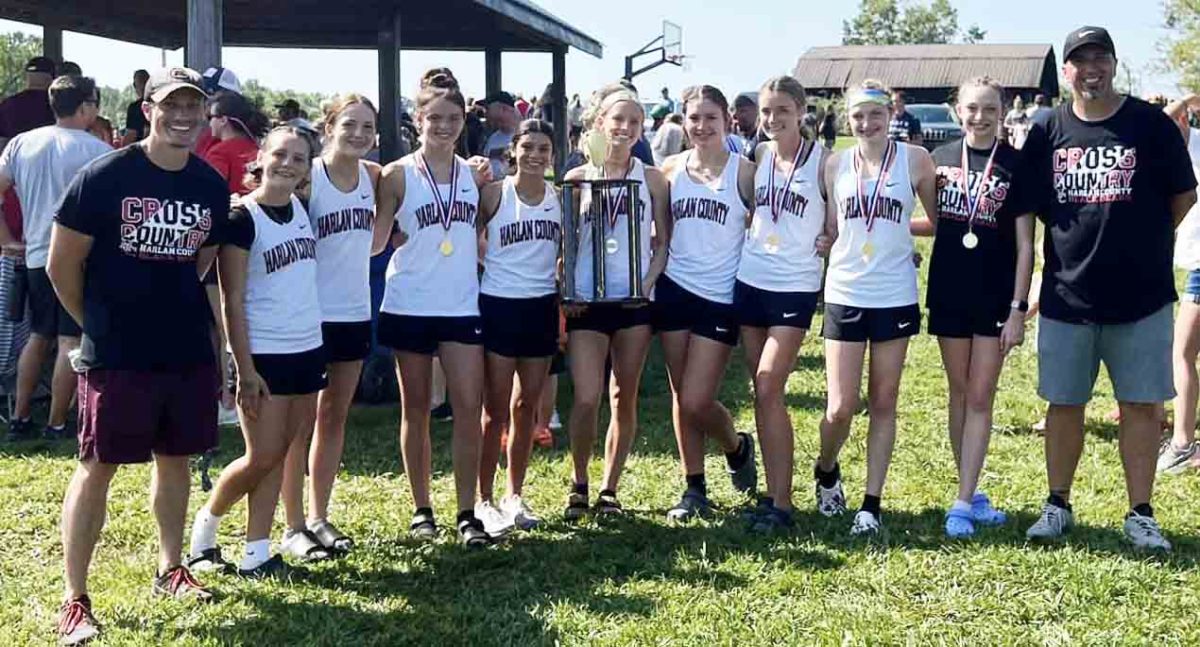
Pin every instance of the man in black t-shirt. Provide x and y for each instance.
(135, 231)
(904, 127)
(1112, 180)
(135, 122)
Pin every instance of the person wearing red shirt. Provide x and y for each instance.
(236, 126)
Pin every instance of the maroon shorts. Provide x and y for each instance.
(126, 416)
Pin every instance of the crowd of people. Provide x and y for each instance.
(741, 237)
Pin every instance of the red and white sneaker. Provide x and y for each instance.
(179, 583)
(76, 624)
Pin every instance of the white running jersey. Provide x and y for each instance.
(706, 238)
(342, 222)
(1187, 235)
(885, 277)
(780, 255)
(283, 313)
(616, 266)
(421, 279)
(522, 248)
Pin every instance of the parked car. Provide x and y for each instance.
(939, 124)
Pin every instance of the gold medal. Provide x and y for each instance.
(771, 244)
(868, 249)
(446, 248)
(611, 246)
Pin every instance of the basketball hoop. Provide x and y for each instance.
(668, 46)
(683, 61)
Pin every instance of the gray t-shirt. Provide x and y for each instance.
(667, 142)
(41, 163)
(496, 150)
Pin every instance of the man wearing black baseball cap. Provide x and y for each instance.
(1112, 179)
(29, 108)
(134, 232)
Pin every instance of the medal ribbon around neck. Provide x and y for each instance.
(614, 204)
(444, 208)
(885, 168)
(973, 202)
(800, 159)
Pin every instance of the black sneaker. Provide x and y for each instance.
(56, 433)
(273, 568)
(442, 413)
(19, 430)
(693, 504)
(745, 477)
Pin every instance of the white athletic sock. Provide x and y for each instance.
(204, 531)
(961, 506)
(314, 523)
(257, 552)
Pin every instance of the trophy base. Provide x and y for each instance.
(624, 302)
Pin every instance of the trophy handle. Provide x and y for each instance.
(633, 222)
(599, 280)
(569, 243)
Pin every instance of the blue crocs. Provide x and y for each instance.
(983, 512)
(960, 524)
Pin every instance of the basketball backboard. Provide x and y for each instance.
(672, 42)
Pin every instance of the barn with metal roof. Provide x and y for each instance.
(929, 73)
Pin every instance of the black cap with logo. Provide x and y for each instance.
(1088, 36)
(40, 65)
(502, 98)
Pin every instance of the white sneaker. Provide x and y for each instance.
(555, 423)
(227, 417)
(1052, 524)
(831, 502)
(495, 523)
(1173, 460)
(1143, 532)
(865, 524)
(515, 508)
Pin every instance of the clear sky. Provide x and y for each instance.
(734, 44)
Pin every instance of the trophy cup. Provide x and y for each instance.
(603, 242)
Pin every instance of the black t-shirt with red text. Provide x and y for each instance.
(1104, 190)
(143, 305)
(979, 279)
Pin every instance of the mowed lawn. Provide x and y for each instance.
(640, 581)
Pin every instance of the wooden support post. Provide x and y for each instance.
(561, 120)
(205, 32)
(389, 87)
(52, 45)
(492, 77)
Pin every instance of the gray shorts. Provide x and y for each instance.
(1137, 356)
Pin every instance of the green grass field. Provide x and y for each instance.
(639, 580)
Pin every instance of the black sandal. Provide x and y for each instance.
(272, 568)
(304, 546)
(331, 538)
(423, 527)
(608, 504)
(472, 534)
(577, 507)
(209, 560)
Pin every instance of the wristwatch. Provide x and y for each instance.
(1020, 306)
